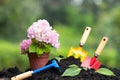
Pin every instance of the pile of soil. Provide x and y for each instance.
(53, 74)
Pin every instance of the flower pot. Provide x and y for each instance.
(37, 61)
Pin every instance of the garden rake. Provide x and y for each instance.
(30, 73)
(79, 52)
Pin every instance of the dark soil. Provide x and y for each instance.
(53, 74)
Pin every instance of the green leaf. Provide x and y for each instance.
(58, 58)
(85, 68)
(39, 50)
(47, 48)
(105, 71)
(73, 70)
(33, 40)
(32, 47)
(73, 65)
(35, 47)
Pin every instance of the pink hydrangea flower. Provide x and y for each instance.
(25, 44)
(43, 32)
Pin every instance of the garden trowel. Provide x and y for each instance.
(93, 62)
(30, 73)
(79, 52)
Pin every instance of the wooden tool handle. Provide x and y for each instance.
(22, 76)
(85, 36)
(101, 45)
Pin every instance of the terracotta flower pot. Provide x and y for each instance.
(37, 62)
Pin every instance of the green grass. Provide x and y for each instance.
(108, 57)
(10, 56)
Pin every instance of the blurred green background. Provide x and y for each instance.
(69, 18)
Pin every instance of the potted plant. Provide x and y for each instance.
(41, 37)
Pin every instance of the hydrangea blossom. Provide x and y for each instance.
(25, 44)
(43, 32)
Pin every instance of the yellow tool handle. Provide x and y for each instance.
(101, 45)
(85, 36)
(22, 76)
